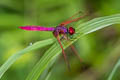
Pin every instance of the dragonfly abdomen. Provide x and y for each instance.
(37, 28)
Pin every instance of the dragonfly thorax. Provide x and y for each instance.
(60, 30)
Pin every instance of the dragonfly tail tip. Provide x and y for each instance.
(21, 27)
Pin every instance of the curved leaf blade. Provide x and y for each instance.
(114, 70)
(17, 55)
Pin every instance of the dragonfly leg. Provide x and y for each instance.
(65, 57)
(73, 48)
(75, 52)
(62, 38)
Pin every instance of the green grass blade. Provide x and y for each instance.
(17, 55)
(81, 30)
(44, 61)
(48, 76)
(114, 70)
(98, 23)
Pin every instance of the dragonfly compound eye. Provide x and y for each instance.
(71, 30)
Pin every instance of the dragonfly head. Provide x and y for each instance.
(71, 30)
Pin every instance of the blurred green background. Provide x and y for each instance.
(99, 50)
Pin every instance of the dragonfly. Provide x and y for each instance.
(61, 29)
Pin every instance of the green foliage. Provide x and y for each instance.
(17, 55)
(98, 50)
(52, 53)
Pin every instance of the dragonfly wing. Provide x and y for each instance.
(37, 28)
(70, 20)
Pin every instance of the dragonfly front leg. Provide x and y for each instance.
(63, 37)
